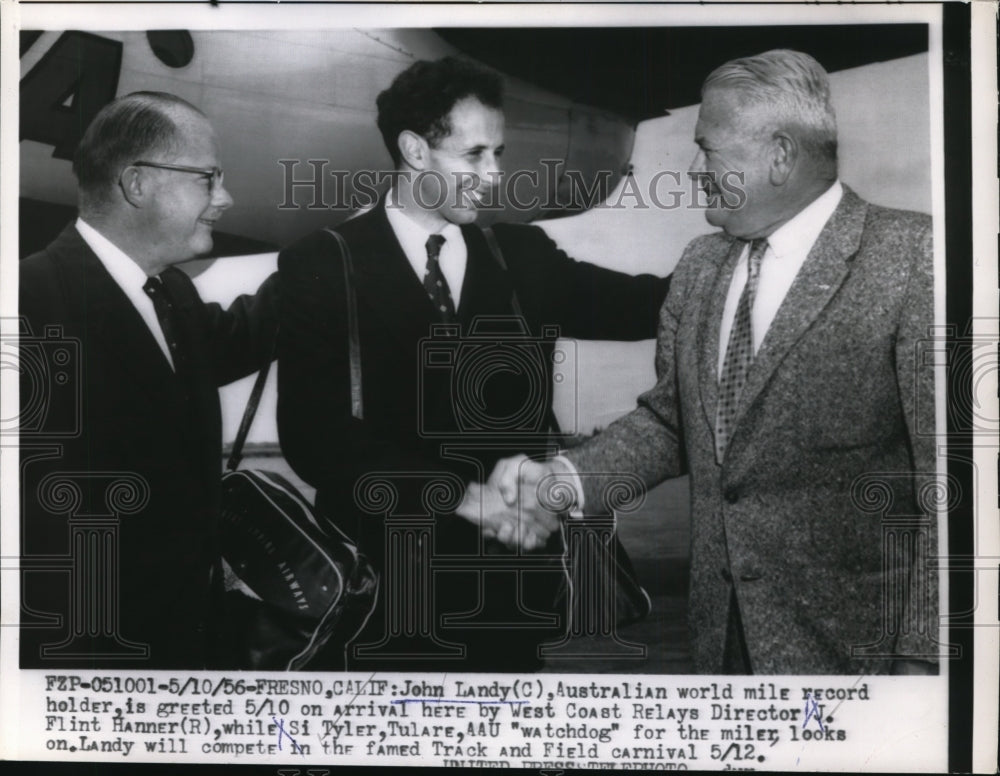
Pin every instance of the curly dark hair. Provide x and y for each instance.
(421, 97)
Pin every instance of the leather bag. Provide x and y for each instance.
(609, 560)
(293, 588)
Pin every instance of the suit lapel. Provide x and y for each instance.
(486, 289)
(386, 282)
(203, 427)
(824, 271)
(189, 318)
(708, 331)
(112, 321)
(389, 286)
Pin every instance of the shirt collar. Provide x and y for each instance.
(126, 273)
(412, 235)
(803, 229)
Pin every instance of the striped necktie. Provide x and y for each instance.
(739, 354)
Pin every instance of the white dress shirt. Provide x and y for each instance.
(129, 276)
(787, 249)
(413, 239)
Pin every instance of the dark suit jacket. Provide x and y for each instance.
(833, 435)
(122, 418)
(423, 397)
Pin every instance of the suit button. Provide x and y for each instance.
(732, 495)
(725, 574)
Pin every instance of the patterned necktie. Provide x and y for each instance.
(156, 290)
(434, 283)
(739, 353)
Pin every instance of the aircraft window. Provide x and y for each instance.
(174, 48)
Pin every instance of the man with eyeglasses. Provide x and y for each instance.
(131, 409)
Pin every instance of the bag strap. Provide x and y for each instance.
(353, 339)
(354, 347)
(236, 454)
(515, 304)
(494, 246)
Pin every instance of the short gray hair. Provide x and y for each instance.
(793, 87)
(122, 132)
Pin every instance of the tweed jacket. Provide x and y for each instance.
(833, 435)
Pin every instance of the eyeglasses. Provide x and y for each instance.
(214, 174)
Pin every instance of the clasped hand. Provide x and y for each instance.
(520, 503)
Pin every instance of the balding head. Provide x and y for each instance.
(151, 180)
(133, 127)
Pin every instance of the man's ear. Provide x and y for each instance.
(134, 188)
(413, 148)
(784, 155)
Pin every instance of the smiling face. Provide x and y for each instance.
(733, 165)
(184, 206)
(462, 168)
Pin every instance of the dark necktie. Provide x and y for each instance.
(157, 291)
(739, 353)
(434, 283)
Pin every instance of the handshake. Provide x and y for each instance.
(520, 504)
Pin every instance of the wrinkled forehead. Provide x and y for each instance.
(729, 110)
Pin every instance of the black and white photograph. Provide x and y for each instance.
(529, 386)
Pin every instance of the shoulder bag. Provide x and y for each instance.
(295, 590)
(631, 601)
